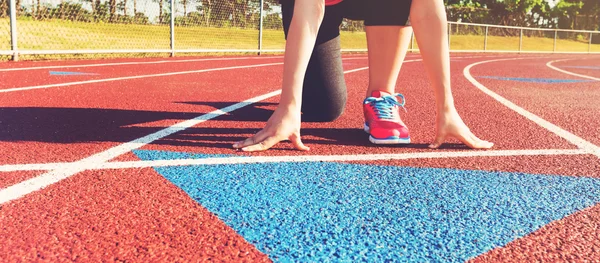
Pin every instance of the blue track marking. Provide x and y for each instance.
(65, 73)
(336, 212)
(581, 67)
(537, 80)
(168, 155)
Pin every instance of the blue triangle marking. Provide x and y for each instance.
(66, 73)
(152, 155)
(322, 211)
(536, 80)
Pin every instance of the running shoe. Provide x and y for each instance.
(382, 118)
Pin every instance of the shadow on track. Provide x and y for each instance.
(86, 125)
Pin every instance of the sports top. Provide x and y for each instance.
(332, 2)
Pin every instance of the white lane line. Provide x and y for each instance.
(34, 184)
(150, 62)
(549, 64)
(570, 137)
(301, 158)
(354, 58)
(172, 61)
(145, 76)
(135, 63)
(136, 77)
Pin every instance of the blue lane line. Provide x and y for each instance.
(537, 80)
(335, 212)
(582, 67)
(66, 73)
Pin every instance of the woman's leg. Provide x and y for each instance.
(429, 22)
(387, 49)
(324, 91)
(388, 37)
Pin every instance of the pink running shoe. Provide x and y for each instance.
(382, 119)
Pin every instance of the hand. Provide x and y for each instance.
(450, 125)
(284, 124)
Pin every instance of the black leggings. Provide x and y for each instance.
(324, 93)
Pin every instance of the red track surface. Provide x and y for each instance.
(135, 214)
(566, 105)
(35, 77)
(117, 215)
(347, 138)
(569, 64)
(572, 239)
(91, 118)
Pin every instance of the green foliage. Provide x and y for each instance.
(4, 8)
(566, 14)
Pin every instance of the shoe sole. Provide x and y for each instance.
(389, 140)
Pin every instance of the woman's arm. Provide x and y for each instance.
(302, 35)
(284, 124)
(428, 19)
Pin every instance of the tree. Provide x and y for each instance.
(184, 3)
(37, 14)
(73, 12)
(141, 18)
(113, 10)
(590, 14)
(206, 9)
(160, 10)
(97, 10)
(4, 8)
(122, 6)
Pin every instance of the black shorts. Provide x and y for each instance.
(372, 12)
(376, 12)
(324, 90)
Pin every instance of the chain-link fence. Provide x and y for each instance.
(105, 28)
(4, 36)
(491, 38)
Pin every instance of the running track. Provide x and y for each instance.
(130, 160)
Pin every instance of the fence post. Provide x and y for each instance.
(555, 40)
(172, 28)
(260, 27)
(485, 39)
(590, 44)
(412, 41)
(449, 34)
(521, 41)
(13, 30)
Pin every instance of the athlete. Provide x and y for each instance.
(313, 80)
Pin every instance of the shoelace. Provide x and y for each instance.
(384, 106)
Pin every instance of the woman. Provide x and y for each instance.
(313, 70)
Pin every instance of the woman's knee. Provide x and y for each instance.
(324, 112)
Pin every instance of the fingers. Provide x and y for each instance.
(262, 145)
(441, 138)
(258, 137)
(295, 138)
(263, 141)
(466, 137)
(268, 142)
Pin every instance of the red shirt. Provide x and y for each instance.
(332, 2)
